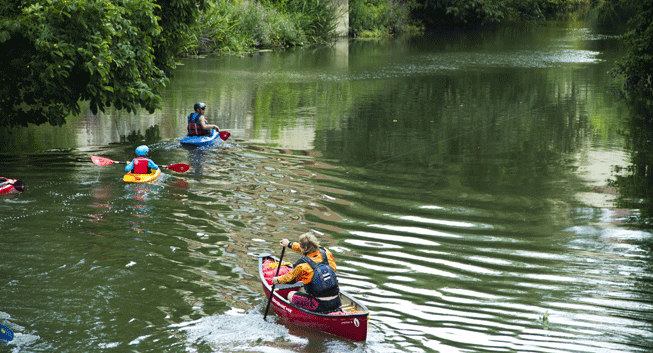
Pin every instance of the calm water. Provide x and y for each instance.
(461, 182)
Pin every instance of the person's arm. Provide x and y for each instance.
(207, 126)
(130, 166)
(290, 244)
(290, 276)
(152, 165)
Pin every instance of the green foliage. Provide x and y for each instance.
(610, 12)
(177, 19)
(637, 65)
(59, 52)
(316, 18)
(367, 15)
(449, 14)
(380, 16)
(215, 30)
(239, 26)
(469, 14)
(261, 26)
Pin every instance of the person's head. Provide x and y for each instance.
(19, 185)
(308, 243)
(142, 151)
(199, 106)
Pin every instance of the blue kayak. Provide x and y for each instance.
(200, 140)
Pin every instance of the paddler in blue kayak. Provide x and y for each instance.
(141, 164)
(197, 125)
(317, 270)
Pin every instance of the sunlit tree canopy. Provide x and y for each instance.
(58, 53)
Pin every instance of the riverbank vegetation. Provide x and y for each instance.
(382, 18)
(56, 53)
(637, 64)
(235, 27)
(121, 53)
(445, 15)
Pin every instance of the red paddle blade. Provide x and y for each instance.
(101, 161)
(224, 135)
(179, 167)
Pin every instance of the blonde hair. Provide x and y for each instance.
(309, 243)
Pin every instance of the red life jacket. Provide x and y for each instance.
(140, 165)
(194, 126)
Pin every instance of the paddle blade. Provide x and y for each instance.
(179, 167)
(6, 334)
(224, 135)
(101, 161)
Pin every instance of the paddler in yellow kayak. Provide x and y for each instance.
(141, 164)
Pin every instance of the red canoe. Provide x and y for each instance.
(11, 186)
(350, 323)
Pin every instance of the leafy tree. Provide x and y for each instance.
(373, 17)
(451, 14)
(472, 14)
(177, 19)
(57, 53)
(637, 65)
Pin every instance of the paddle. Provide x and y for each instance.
(6, 334)
(101, 161)
(272, 290)
(224, 135)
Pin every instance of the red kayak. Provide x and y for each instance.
(349, 323)
(11, 186)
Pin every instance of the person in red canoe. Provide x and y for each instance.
(317, 270)
(197, 125)
(11, 185)
(141, 164)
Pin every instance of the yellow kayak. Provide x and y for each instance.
(141, 178)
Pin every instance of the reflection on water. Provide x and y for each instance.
(461, 183)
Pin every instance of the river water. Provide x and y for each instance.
(461, 181)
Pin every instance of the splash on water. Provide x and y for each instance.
(225, 333)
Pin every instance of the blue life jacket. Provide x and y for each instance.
(325, 281)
